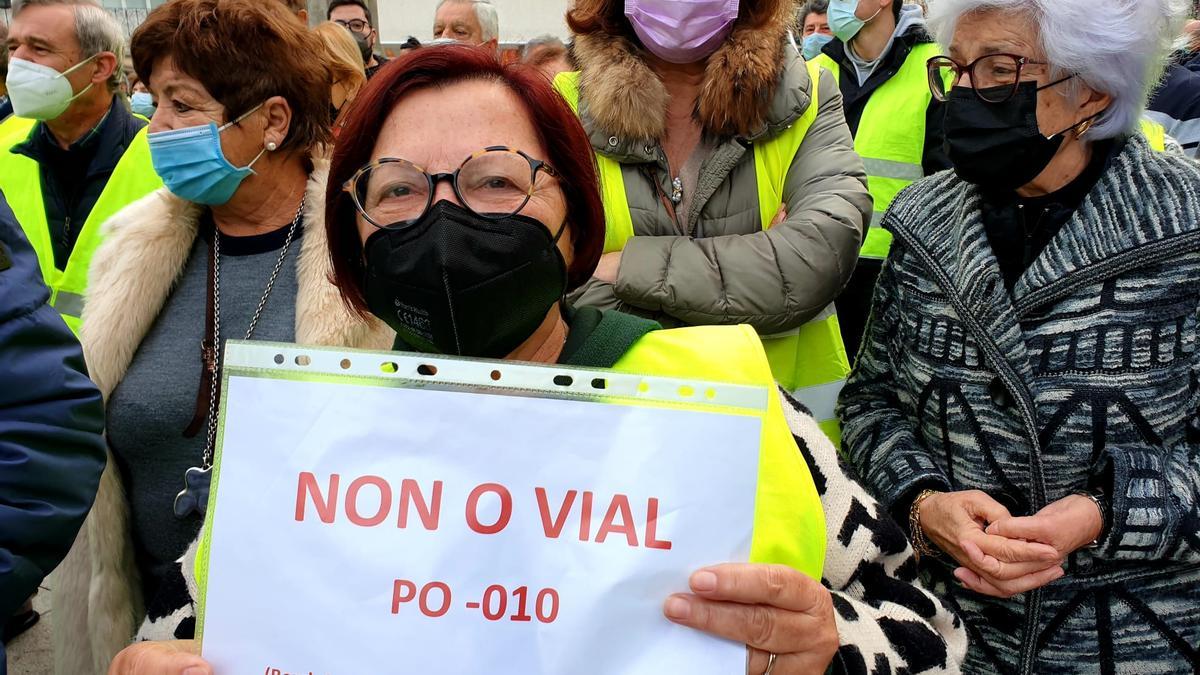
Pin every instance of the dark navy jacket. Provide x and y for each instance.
(1176, 106)
(51, 419)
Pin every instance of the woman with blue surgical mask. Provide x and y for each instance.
(232, 247)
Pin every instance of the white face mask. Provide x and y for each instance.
(40, 92)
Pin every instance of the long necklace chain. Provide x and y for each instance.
(209, 445)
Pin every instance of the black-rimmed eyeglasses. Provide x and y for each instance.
(494, 183)
(356, 25)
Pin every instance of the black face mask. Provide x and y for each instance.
(998, 145)
(364, 46)
(459, 284)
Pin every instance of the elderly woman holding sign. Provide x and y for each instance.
(462, 208)
(1027, 393)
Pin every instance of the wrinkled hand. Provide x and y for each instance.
(1068, 525)
(770, 608)
(992, 564)
(176, 657)
(610, 264)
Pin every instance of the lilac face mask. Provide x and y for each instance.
(682, 31)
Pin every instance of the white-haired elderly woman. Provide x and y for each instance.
(1028, 396)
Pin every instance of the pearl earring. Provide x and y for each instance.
(271, 147)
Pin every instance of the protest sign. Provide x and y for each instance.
(392, 513)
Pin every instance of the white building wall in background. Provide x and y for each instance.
(520, 20)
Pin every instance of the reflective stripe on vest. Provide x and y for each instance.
(1155, 133)
(891, 137)
(789, 527)
(20, 179)
(809, 360)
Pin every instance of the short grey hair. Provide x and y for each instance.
(485, 11)
(96, 30)
(813, 7)
(1116, 47)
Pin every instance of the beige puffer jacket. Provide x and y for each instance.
(716, 265)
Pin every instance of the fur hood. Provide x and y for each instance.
(97, 607)
(624, 98)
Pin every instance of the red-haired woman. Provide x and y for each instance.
(462, 208)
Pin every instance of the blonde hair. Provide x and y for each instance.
(343, 57)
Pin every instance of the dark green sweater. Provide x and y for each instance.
(597, 339)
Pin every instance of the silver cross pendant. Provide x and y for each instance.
(194, 497)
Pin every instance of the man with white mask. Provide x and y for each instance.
(72, 154)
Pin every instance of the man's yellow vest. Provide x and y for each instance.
(21, 182)
(789, 522)
(809, 362)
(891, 137)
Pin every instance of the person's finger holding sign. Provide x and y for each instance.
(784, 617)
(168, 657)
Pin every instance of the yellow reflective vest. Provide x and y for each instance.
(21, 182)
(789, 524)
(891, 137)
(1155, 133)
(810, 361)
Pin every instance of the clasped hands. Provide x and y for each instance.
(1001, 555)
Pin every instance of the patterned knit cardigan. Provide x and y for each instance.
(1086, 375)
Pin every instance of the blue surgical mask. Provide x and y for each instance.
(142, 103)
(813, 44)
(844, 23)
(193, 166)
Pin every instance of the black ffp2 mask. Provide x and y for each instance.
(998, 146)
(460, 284)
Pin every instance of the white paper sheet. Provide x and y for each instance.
(299, 596)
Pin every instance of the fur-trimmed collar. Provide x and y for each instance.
(626, 99)
(145, 250)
